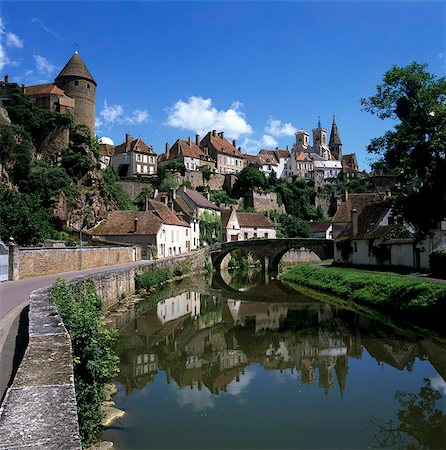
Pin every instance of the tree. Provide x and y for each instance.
(293, 227)
(249, 179)
(144, 196)
(415, 148)
(169, 182)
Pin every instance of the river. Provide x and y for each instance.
(244, 363)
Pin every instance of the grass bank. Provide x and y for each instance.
(421, 302)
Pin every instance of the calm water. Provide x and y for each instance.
(251, 365)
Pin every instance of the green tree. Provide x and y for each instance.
(144, 196)
(115, 190)
(293, 227)
(249, 179)
(415, 147)
(169, 182)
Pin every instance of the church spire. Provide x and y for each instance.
(335, 144)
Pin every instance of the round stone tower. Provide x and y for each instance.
(77, 82)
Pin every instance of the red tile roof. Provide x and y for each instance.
(136, 145)
(250, 220)
(183, 148)
(43, 89)
(220, 144)
(199, 200)
(121, 223)
(358, 201)
(165, 214)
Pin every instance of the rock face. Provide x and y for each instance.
(4, 117)
(54, 144)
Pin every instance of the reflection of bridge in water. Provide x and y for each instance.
(270, 251)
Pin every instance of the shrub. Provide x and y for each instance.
(437, 263)
(94, 360)
(152, 277)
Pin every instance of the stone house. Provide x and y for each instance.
(281, 157)
(321, 229)
(49, 96)
(267, 164)
(134, 158)
(106, 152)
(159, 231)
(228, 157)
(350, 166)
(188, 153)
(240, 226)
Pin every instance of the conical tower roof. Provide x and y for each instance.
(76, 68)
(334, 133)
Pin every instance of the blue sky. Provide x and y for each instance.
(258, 70)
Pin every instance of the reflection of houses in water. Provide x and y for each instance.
(178, 306)
(266, 316)
(201, 340)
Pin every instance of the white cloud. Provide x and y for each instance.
(253, 146)
(138, 116)
(12, 40)
(277, 128)
(235, 388)
(198, 114)
(43, 66)
(9, 39)
(439, 384)
(111, 114)
(46, 29)
(441, 55)
(199, 400)
(105, 140)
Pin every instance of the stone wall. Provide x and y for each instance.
(133, 188)
(28, 263)
(39, 409)
(263, 202)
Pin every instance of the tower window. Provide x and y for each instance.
(88, 85)
(76, 83)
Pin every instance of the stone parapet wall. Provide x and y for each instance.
(28, 263)
(39, 409)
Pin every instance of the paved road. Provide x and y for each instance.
(14, 297)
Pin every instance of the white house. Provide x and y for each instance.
(240, 226)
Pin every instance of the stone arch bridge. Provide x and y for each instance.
(270, 251)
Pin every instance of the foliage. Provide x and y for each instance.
(15, 151)
(144, 196)
(206, 173)
(293, 227)
(437, 263)
(115, 190)
(239, 259)
(419, 300)
(152, 277)
(95, 362)
(421, 424)
(219, 197)
(38, 122)
(210, 228)
(415, 148)
(169, 183)
(298, 198)
(249, 179)
(24, 218)
(345, 247)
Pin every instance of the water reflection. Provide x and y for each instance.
(214, 346)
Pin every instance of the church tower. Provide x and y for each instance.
(302, 141)
(319, 139)
(77, 82)
(335, 143)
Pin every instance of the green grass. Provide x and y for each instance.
(423, 302)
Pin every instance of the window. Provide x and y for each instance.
(88, 85)
(187, 232)
(266, 235)
(152, 160)
(138, 157)
(245, 234)
(138, 168)
(255, 235)
(144, 158)
(144, 169)
(151, 169)
(356, 246)
(76, 83)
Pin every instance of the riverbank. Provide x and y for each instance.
(419, 301)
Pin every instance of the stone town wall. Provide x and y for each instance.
(30, 263)
(133, 188)
(263, 202)
(39, 409)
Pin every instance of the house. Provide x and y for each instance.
(134, 158)
(350, 166)
(375, 237)
(228, 157)
(266, 163)
(159, 231)
(50, 96)
(282, 157)
(106, 152)
(240, 226)
(342, 216)
(188, 153)
(321, 229)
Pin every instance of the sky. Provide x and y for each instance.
(256, 70)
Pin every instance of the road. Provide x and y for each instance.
(14, 297)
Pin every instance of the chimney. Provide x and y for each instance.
(128, 140)
(234, 143)
(135, 224)
(206, 194)
(345, 196)
(197, 139)
(189, 142)
(222, 134)
(6, 79)
(164, 199)
(354, 222)
(287, 147)
(174, 194)
(214, 133)
(155, 193)
(167, 150)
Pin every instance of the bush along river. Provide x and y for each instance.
(238, 362)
